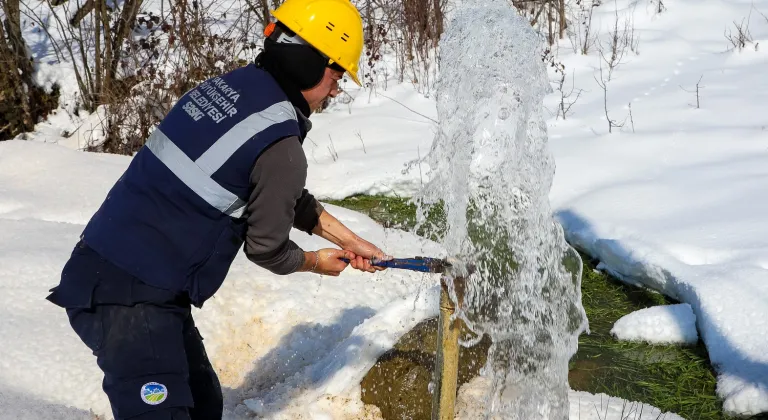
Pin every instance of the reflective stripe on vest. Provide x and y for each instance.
(197, 174)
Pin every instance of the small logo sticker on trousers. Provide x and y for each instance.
(153, 393)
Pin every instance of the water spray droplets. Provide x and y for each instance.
(491, 171)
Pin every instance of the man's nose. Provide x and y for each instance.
(334, 90)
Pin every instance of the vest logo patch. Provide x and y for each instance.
(153, 393)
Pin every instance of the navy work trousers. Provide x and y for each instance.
(144, 339)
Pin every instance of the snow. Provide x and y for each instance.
(676, 203)
(373, 145)
(24, 407)
(343, 367)
(66, 129)
(470, 405)
(679, 204)
(668, 324)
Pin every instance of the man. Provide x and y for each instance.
(225, 169)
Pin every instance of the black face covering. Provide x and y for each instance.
(294, 67)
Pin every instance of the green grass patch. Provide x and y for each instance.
(674, 378)
(396, 212)
(389, 211)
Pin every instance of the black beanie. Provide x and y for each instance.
(295, 67)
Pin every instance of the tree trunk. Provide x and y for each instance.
(98, 69)
(6, 65)
(563, 20)
(106, 63)
(183, 33)
(82, 12)
(124, 25)
(15, 39)
(369, 22)
(18, 72)
(550, 29)
(438, 22)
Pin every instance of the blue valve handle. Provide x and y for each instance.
(422, 264)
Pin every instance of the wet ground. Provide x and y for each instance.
(398, 383)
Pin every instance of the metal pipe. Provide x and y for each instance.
(447, 362)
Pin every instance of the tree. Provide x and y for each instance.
(15, 75)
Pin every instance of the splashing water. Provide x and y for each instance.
(491, 172)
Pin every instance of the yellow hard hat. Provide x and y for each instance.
(333, 27)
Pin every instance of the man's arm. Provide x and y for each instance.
(277, 181)
(331, 229)
(307, 212)
(278, 201)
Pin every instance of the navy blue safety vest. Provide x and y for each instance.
(175, 218)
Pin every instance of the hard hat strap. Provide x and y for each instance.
(282, 36)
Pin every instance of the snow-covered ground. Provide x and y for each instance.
(680, 204)
(667, 324)
(374, 141)
(675, 200)
(583, 405)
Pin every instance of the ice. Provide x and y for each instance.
(668, 324)
(492, 171)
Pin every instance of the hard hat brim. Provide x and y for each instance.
(354, 78)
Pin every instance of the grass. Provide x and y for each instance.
(673, 378)
(389, 211)
(395, 212)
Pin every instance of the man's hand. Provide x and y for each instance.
(326, 261)
(332, 229)
(364, 252)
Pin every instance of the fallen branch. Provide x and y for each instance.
(409, 109)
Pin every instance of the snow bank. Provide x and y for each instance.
(18, 405)
(52, 183)
(470, 405)
(668, 324)
(342, 370)
(586, 406)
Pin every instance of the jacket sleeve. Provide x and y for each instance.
(277, 186)
(308, 211)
